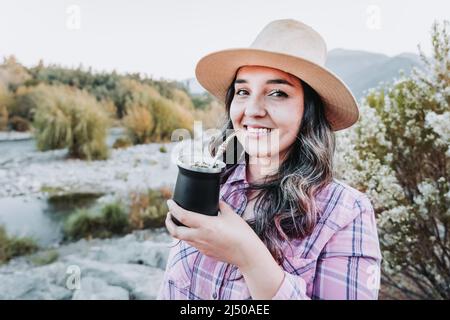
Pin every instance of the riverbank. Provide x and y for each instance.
(129, 267)
(15, 136)
(132, 169)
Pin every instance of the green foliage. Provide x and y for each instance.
(149, 210)
(115, 219)
(112, 220)
(105, 85)
(146, 210)
(11, 247)
(202, 101)
(71, 118)
(163, 149)
(44, 257)
(61, 201)
(399, 155)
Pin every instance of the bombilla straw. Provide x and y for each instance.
(223, 147)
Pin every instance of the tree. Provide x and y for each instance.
(399, 155)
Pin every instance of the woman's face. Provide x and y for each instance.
(266, 98)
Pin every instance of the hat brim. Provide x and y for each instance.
(217, 70)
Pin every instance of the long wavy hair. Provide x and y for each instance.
(285, 207)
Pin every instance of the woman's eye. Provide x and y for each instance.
(241, 92)
(278, 93)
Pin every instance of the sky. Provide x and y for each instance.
(166, 38)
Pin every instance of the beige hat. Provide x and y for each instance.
(290, 46)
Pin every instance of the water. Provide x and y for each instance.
(39, 218)
(33, 216)
(27, 216)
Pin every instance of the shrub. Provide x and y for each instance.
(3, 117)
(115, 218)
(399, 154)
(74, 119)
(11, 247)
(202, 101)
(131, 92)
(44, 257)
(139, 124)
(163, 149)
(181, 98)
(149, 210)
(112, 220)
(61, 201)
(5, 101)
(211, 116)
(19, 124)
(152, 118)
(26, 101)
(168, 117)
(12, 73)
(122, 142)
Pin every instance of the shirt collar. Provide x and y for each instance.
(239, 174)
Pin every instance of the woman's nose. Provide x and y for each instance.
(255, 108)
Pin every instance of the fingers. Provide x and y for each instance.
(186, 217)
(180, 232)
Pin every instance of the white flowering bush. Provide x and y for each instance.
(398, 154)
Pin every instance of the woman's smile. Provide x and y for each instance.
(257, 132)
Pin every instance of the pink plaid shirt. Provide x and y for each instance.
(339, 260)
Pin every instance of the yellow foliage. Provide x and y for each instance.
(71, 118)
(139, 123)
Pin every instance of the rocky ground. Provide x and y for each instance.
(130, 267)
(135, 168)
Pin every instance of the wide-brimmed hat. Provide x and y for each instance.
(290, 46)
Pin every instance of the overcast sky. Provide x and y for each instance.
(166, 38)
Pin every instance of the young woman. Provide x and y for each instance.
(287, 229)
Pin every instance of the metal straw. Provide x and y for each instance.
(223, 147)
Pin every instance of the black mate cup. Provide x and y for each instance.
(198, 188)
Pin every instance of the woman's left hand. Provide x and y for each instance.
(226, 237)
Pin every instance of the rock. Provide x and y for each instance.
(50, 292)
(131, 267)
(98, 289)
(141, 281)
(127, 251)
(31, 286)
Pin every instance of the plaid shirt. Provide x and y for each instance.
(339, 260)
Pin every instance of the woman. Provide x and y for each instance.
(286, 229)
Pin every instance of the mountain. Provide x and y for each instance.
(360, 70)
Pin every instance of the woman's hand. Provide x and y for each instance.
(226, 237)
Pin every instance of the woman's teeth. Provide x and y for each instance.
(258, 130)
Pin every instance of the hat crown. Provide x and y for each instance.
(293, 38)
